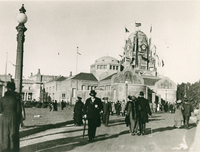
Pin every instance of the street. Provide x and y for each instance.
(160, 136)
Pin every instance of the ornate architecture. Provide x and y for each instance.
(136, 71)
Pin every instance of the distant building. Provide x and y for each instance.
(136, 71)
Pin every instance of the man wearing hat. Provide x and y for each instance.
(92, 108)
(187, 109)
(106, 111)
(10, 108)
(144, 111)
(78, 112)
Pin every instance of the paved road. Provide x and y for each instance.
(161, 137)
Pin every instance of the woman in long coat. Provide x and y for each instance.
(178, 116)
(10, 108)
(78, 112)
(133, 113)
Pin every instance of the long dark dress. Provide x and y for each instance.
(10, 108)
(78, 113)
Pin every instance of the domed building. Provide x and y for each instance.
(104, 67)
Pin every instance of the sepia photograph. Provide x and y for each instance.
(99, 76)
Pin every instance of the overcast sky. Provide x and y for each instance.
(56, 28)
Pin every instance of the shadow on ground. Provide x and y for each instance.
(66, 144)
(40, 128)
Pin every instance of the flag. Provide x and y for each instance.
(137, 24)
(58, 53)
(150, 29)
(145, 59)
(126, 30)
(132, 60)
(162, 63)
(136, 48)
(120, 55)
(78, 53)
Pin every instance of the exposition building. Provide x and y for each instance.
(136, 71)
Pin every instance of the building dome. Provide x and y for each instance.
(141, 35)
(107, 59)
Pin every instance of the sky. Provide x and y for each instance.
(56, 28)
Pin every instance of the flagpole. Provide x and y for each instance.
(149, 49)
(5, 73)
(77, 60)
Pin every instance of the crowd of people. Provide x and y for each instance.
(96, 111)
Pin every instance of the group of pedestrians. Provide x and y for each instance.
(138, 110)
(182, 113)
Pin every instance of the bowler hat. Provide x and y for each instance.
(11, 85)
(105, 98)
(79, 98)
(129, 97)
(141, 93)
(93, 93)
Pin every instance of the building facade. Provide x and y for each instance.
(136, 71)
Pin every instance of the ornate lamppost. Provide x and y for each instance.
(21, 18)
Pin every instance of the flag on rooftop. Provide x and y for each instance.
(137, 24)
(126, 30)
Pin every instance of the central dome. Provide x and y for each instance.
(141, 37)
(107, 59)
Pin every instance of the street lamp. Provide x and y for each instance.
(126, 83)
(21, 18)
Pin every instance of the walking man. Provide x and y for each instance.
(92, 108)
(145, 110)
(187, 109)
(106, 111)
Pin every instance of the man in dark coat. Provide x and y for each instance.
(118, 108)
(78, 112)
(186, 113)
(143, 113)
(10, 108)
(106, 111)
(92, 108)
(55, 106)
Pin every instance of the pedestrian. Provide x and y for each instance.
(51, 106)
(118, 108)
(178, 116)
(55, 105)
(143, 113)
(106, 111)
(154, 107)
(10, 108)
(113, 108)
(133, 113)
(23, 116)
(92, 108)
(62, 105)
(187, 109)
(78, 112)
(123, 107)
